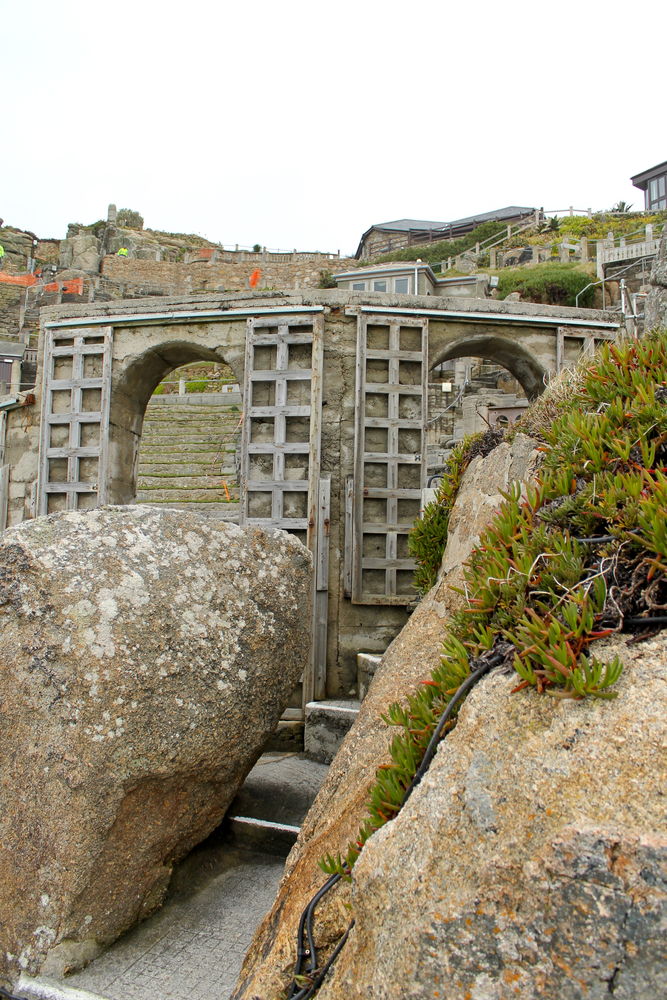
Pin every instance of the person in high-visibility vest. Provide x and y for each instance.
(122, 252)
(2, 256)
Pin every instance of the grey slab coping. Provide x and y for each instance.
(45, 989)
(268, 824)
(335, 706)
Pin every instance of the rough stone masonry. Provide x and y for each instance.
(146, 657)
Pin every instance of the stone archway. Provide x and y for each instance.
(513, 356)
(131, 392)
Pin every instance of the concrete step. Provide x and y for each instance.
(326, 726)
(174, 434)
(267, 813)
(198, 496)
(197, 419)
(208, 450)
(185, 468)
(213, 509)
(367, 664)
(170, 480)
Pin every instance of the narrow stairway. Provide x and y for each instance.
(187, 456)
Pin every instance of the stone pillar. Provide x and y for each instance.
(583, 245)
(15, 377)
(112, 213)
(493, 253)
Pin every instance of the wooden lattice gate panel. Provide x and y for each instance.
(390, 455)
(573, 342)
(280, 449)
(75, 419)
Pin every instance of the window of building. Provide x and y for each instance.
(401, 284)
(358, 286)
(657, 193)
(380, 286)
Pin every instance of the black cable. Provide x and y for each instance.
(595, 540)
(463, 689)
(308, 991)
(306, 921)
(8, 996)
(656, 620)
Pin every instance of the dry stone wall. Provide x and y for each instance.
(204, 276)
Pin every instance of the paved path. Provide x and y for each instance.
(192, 949)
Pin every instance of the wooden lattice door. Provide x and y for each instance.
(390, 455)
(75, 419)
(280, 451)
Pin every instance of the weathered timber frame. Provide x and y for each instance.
(74, 430)
(586, 342)
(274, 440)
(391, 378)
(4, 472)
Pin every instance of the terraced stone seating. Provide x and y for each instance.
(187, 456)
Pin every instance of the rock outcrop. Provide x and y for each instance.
(656, 303)
(146, 657)
(531, 861)
(480, 495)
(340, 806)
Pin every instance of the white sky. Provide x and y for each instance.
(300, 124)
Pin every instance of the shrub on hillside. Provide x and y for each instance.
(128, 219)
(433, 253)
(551, 284)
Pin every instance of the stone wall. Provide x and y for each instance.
(223, 275)
(143, 353)
(10, 306)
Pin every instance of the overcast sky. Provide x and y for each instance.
(300, 124)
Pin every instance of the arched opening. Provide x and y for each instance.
(188, 454)
(188, 457)
(477, 383)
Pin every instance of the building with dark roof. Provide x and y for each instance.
(653, 183)
(384, 237)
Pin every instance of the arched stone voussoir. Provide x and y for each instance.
(505, 351)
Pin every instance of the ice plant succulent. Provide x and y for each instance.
(578, 554)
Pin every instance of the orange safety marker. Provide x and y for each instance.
(253, 280)
(24, 280)
(73, 286)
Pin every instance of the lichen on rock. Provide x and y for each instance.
(147, 656)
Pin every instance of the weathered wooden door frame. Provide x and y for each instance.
(281, 332)
(391, 493)
(77, 345)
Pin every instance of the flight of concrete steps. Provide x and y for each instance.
(187, 457)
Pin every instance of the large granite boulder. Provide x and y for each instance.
(480, 495)
(655, 314)
(531, 861)
(338, 810)
(146, 657)
(80, 252)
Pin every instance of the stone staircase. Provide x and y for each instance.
(328, 722)
(187, 457)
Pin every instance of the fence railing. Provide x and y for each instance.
(263, 255)
(192, 386)
(641, 243)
